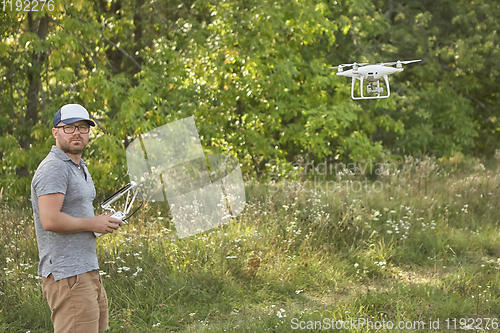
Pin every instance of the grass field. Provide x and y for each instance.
(426, 247)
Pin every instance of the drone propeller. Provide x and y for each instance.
(399, 62)
(350, 65)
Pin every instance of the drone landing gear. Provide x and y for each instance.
(371, 89)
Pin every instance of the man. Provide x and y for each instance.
(62, 192)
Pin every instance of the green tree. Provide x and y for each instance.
(449, 102)
(255, 76)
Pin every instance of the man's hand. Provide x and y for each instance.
(105, 224)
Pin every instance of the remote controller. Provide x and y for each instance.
(121, 215)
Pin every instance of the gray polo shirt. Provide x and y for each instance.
(64, 255)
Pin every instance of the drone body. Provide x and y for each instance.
(372, 74)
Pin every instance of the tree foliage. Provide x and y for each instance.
(255, 76)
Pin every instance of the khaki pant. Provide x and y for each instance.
(79, 303)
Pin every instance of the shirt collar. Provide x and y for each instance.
(63, 156)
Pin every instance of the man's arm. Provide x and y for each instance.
(53, 219)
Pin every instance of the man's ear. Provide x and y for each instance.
(54, 132)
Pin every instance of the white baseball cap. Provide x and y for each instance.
(71, 113)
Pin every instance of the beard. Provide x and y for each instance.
(69, 149)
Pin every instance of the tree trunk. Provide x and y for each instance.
(34, 75)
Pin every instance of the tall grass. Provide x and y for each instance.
(425, 247)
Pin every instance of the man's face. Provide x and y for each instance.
(71, 143)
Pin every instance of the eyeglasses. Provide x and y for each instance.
(70, 129)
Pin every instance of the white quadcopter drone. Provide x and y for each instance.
(372, 74)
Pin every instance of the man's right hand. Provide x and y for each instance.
(105, 224)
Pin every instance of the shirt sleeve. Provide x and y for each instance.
(50, 178)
